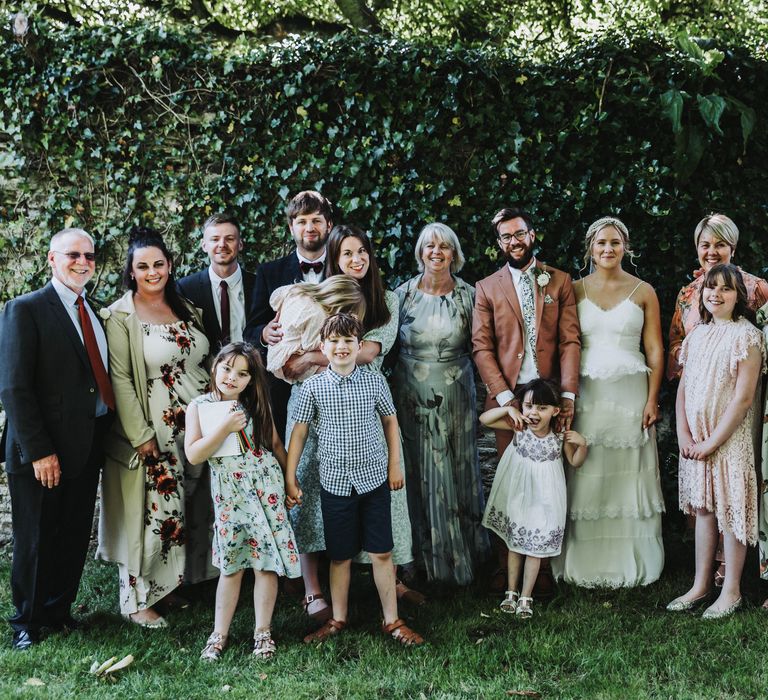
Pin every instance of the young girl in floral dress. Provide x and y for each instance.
(251, 529)
(527, 503)
(722, 359)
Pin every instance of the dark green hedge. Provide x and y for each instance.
(104, 128)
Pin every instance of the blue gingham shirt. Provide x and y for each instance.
(344, 412)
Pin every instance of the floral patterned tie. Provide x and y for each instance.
(528, 307)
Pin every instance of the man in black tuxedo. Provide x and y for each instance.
(309, 217)
(58, 400)
(224, 291)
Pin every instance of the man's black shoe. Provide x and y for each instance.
(23, 639)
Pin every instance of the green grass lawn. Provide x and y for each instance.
(583, 644)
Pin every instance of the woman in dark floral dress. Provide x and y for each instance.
(150, 495)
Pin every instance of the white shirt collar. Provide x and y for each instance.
(301, 258)
(234, 279)
(67, 296)
(516, 274)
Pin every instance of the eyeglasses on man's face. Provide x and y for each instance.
(74, 256)
(506, 238)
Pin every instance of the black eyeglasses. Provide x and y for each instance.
(72, 255)
(517, 235)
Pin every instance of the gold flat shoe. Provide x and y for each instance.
(680, 605)
(710, 614)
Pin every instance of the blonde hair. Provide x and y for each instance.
(720, 226)
(442, 234)
(337, 294)
(599, 225)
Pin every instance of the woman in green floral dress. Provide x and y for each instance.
(434, 391)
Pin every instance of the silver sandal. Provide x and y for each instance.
(214, 647)
(524, 608)
(509, 604)
(263, 645)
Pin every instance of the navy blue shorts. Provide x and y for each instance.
(357, 521)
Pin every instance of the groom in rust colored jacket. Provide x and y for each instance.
(525, 326)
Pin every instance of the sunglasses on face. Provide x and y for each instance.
(73, 256)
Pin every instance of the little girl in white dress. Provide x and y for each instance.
(527, 504)
(303, 308)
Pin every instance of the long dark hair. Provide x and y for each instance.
(143, 237)
(377, 313)
(732, 277)
(255, 397)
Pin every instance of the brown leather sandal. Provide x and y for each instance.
(403, 634)
(329, 629)
(323, 614)
(408, 595)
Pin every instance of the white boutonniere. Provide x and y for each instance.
(104, 313)
(543, 278)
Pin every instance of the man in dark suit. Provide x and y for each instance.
(58, 400)
(309, 217)
(224, 291)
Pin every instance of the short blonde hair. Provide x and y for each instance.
(720, 226)
(598, 226)
(442, 234)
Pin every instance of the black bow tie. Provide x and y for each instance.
(307, 266)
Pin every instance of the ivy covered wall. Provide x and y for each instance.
(104, 128)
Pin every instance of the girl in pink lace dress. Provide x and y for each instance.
(722, 359)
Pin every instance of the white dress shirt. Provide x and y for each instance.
(528, 369)
(69, 299)
(311, 276)
(236, 301)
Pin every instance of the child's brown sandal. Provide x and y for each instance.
(329, 629)
(403, 634)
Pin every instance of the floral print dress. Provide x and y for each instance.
(251, 527)
(173, 355)
(527, 504)
(434, 390)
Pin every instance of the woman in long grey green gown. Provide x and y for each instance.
(434, 390)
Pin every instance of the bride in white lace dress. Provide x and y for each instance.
(613, 532)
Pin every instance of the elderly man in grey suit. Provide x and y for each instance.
(58, 400)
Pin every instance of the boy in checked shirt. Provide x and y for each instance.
(345, 404)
